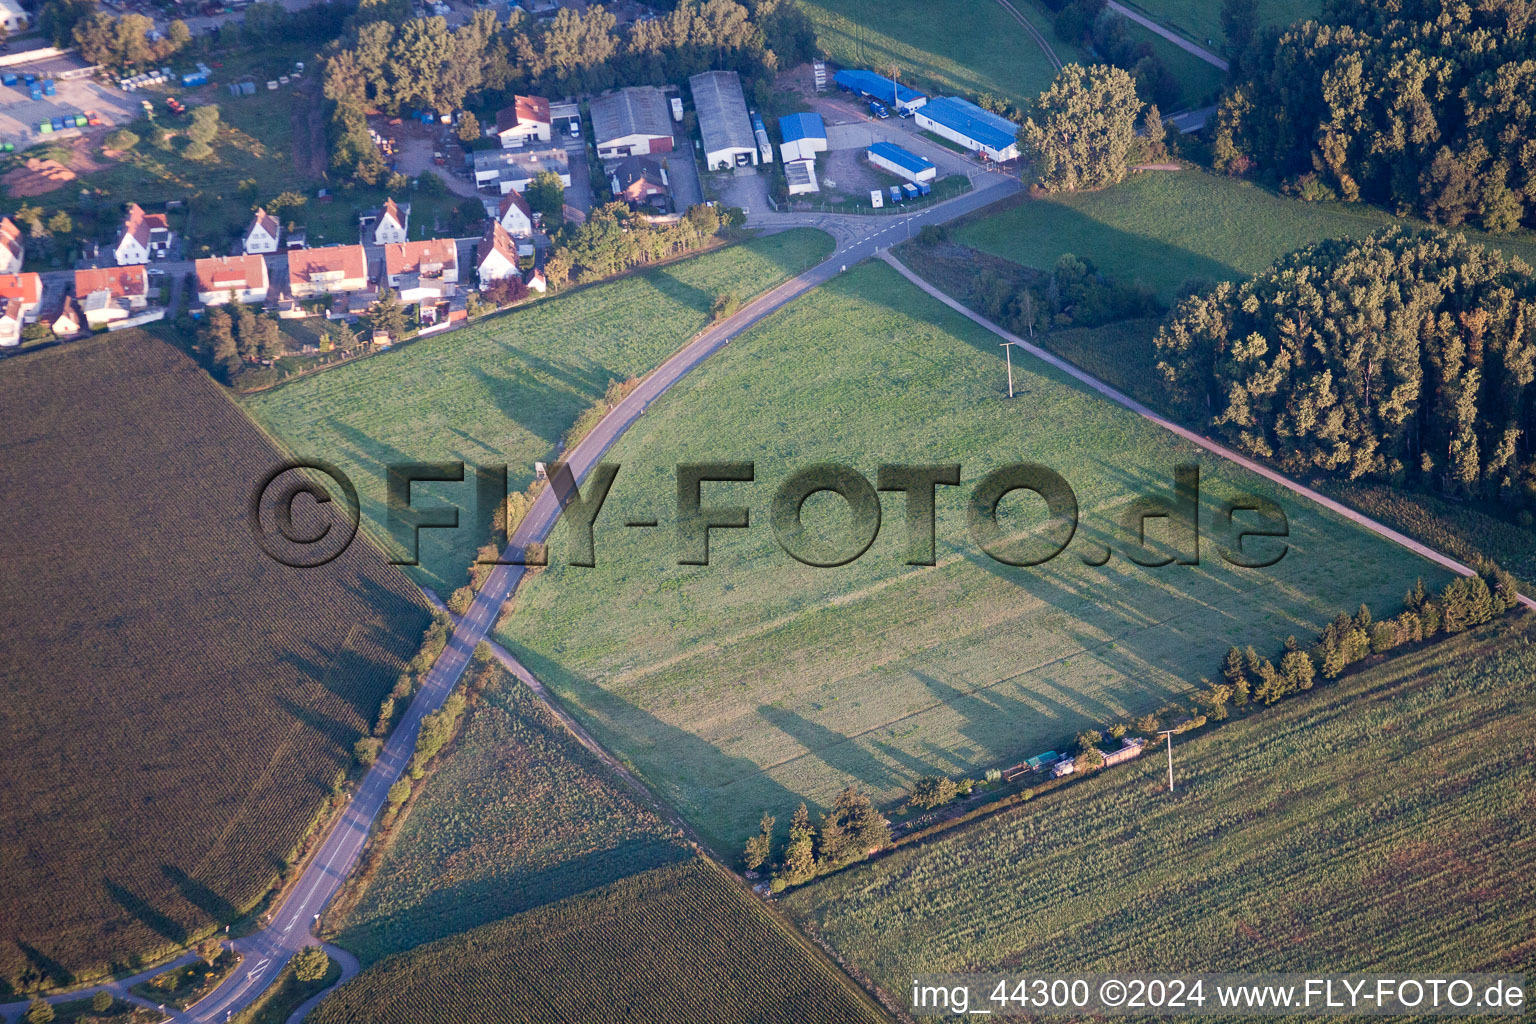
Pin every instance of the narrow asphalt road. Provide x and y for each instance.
(1168, 34)
(289, 928)
(1189, 435)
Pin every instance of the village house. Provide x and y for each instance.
(261, 236)
(13, 250)
(329, 270)
(641, 181)
(144, 236)
(111, 293)
(20, 296)
(495, 258)
(422, 271)
(392, 223)
(527, 120)
(71, 319)
(515, 215)
(231, 279)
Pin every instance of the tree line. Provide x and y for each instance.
(1462, 604)
(1405, 356)
(850, 831)
(1417, 105)
(615, 238)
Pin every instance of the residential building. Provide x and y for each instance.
(904, 164)
(631, 122)
(804, 136)
(13, 251)
(495, 258)
(391, 226)
(20, 296)
(329, 270)
(723, 123)
(224, 279)
(800, 176)
(515, 215)
(537, 283)
(641, 181)
(71, 319)
(950, 117)
(880, 89)
(144, 236)
(261, 236)
(422, 271)
(507, 170)
(127, 286)
(13, 17)
(527, 120)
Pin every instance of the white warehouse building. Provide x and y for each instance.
(729, 140)
(962, 121)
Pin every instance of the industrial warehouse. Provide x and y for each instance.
(729, 140)
(962, 121)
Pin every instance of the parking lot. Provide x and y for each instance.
(20, 115)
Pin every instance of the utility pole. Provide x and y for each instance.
(1167, 734)
(1008, 355)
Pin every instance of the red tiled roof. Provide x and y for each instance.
(392, 212)
(10, 236)
(138, 224)
(524, 110)
(222, 273)
(12, 309)
(349, 259)
(26, 287)
(120, 281)
(407, 257)
(267, 222)
(510, 200)
(497, 239)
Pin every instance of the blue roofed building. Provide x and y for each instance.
(891, 157)
(878, 87)
(962, 121)
(803, 135)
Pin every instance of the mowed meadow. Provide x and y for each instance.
(518, 815)
(1167, 227)
(178, 706)
(755, 682)
(1383, 823)
(680, 944)
(504, 392)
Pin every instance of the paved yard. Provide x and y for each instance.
(20, 115)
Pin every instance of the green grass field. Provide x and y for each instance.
(979, 49)
(756, 681)
(518, 816)
(1165, 227)
(682, 943)
(1380, 824)
(1200, 20)
(506, 390)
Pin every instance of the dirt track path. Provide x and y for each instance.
(1168, 34)
(1344, 511)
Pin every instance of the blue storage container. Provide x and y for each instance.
(897, 195)
(29, 78)
(10, 78)
(35, 93)
(48, 87)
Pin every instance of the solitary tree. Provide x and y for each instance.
(546, 196)
(760, 846)
(39, 1011)
(799, 853)
(1082, 129)
(311, 963)
(469, 127)
(101, 1002)
(210, 949)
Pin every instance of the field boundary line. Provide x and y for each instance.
(1194, 437)
(1034, 33)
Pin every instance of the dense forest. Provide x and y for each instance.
(1405, 356)
(1417, 105)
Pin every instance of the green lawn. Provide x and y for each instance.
(978, 47)
(755, 682)
(507, 389)
(1164, 227)
(1200, 20)
(1382, 824)
(517, 815)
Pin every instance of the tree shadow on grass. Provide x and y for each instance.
(146, 913)
(199, 895)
